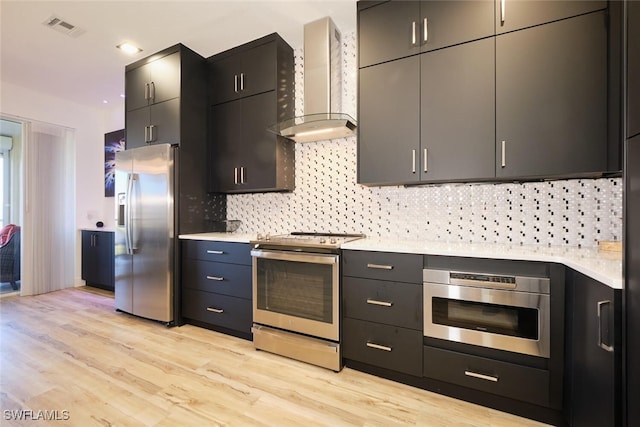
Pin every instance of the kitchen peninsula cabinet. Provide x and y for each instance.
(216, 286)
(594, 358)
(97, 259)
(382, 310)
(165, 98)
(250, 89)
(485, 110)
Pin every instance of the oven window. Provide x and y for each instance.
(296, 289)
(498, 319)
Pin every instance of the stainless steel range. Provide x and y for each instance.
(296, 296)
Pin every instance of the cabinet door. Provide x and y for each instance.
(136, 89)
(594, 388)
(225, 146)
(165, 78)
(389, 122)
(258, 151)
(457, 116)
(258, 71)
(551, 103)
(388, 31)
(224, 78)
(89, 260)
(517, 14)
(136, 127)
(633, 68)
(446, 23)
(165, 122)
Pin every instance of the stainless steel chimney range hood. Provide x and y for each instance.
(322, 119)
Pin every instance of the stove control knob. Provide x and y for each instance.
(333, 241)
(267, 237)
(260, 236)
(322, 240)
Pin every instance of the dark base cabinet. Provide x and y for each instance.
(216, 286)
(98, 258)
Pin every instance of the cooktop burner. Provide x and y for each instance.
(299, 240)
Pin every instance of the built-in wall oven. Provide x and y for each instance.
(503, 312)
(296, 296)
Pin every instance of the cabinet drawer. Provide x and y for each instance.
(487, 375)
(383, 266)
(390, 347)
(227, 279)
(392, 303)
(229, 252)
(220, 310)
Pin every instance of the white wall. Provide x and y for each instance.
(90, 125)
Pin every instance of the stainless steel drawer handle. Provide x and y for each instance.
(481, 376)
(219, 279)
(601, 344)
(215, 252)
(380, 266)
(379, 347)
(376, 302)
(215, 310)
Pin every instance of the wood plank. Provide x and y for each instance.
(70, 351)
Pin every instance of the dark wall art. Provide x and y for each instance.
(113, 142)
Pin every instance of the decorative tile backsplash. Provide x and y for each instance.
(327, 198)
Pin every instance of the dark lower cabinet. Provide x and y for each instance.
(216, 286)
(594, 357)
(98, 258)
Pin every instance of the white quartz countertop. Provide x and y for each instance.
(605, 267)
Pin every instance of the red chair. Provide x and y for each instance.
(10, 255)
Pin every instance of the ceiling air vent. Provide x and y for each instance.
(62, 26)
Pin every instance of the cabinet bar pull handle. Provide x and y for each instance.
(413, 154)
(242, 175)
(241, 82)
(426, 30)
(413, 33)
(235, 83)
(503, 6)
(215, 252)
(215, 310)
(426, 165)
(378, 346)
(376, 302)
(146, 91)
(602, 345)
(219, 279)
(481, 376)
(152, 92)
(152, 137)
(504, 153)
(380, 266)
(235, 175)
(146, 134)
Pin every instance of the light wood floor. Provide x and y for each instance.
(70, 351)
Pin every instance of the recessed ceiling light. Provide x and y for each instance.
(104, 101)
(129, 48)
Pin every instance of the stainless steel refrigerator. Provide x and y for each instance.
(145, 238)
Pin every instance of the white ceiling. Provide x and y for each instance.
(89, 69)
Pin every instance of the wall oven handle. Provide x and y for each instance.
(215, 310)
(215, 252)
(602, 345)
(381, 303)
(378, 346)
(218, 279)
(310, 258)
(380, 266)
(481, 376)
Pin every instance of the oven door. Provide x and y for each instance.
(505, 320)
(297, 291)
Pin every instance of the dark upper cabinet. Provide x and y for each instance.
(594, 359)
(250, 89)
(514, 15)
(165, 98)
(551, 103)
(398, 29)
(244, 74)
(633, 68)
(97, 259)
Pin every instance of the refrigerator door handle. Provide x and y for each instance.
(128, 237)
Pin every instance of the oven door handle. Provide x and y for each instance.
(296, 256)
